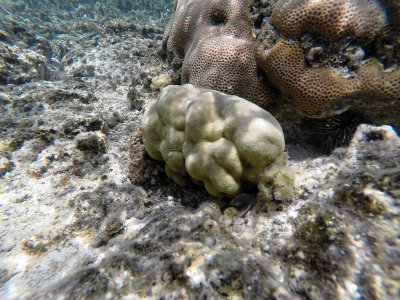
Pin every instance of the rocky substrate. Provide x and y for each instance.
(74, 224)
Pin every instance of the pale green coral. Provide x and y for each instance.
(222, 141)
(159, 82)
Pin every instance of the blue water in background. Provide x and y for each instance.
(123, 5)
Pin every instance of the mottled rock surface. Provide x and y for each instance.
(74, 226)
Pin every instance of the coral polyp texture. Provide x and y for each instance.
(215, 41)
(312, 89)
(323, 56)
(142, 169)
(379, 82)
(330, 19)
(318, 91)
(208, 137)
(323, 91)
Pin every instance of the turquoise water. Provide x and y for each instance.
(123, 5)
(158, 9)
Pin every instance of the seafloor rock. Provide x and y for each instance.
(44, 119)
(335, 240)
(344, 236)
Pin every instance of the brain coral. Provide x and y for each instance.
(222, 141)
(214, 38)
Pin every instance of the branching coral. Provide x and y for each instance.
(318, 91)
(323, 91)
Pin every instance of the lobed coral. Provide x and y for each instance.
(312, 89)
(216, 45)
(222, 141)
(331, 19)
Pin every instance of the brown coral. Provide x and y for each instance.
(226, 64)
(318, 91)
(331, 19)
(312, 89)
(214, 37)
(379, 82)
(142, 169)
(213, 41)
